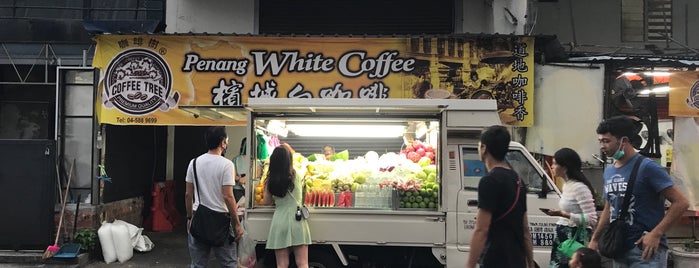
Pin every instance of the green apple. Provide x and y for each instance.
(432, 177)
(430, 169)
(424, 161)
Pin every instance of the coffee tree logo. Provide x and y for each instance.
(693, 99)
(138, 82)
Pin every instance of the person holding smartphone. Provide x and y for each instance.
(577, 199)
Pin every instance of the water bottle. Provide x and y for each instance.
(375, 196)
(359, 196)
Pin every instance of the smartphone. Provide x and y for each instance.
(545, 210)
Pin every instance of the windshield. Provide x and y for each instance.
(474, 169)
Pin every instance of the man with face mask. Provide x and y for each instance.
(647, 219)
(213, 188)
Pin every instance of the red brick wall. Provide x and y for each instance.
(91, 216)
(128, 210)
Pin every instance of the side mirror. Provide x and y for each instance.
(544, 188)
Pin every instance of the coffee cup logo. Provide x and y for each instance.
(138, 82)
(693, 99)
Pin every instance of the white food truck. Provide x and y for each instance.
(378, 206)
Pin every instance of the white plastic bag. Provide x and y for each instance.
(143, 244)
(139, 242)
(120, 238)
(133, 231)
(246, 250)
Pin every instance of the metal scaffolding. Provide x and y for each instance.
(46, 55)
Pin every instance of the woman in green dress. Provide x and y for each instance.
(286, 233)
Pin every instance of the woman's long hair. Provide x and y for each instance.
(281, 174)
(568, 158)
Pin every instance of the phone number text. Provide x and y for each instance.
(137, 120)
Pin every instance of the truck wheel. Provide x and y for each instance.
(323, 259)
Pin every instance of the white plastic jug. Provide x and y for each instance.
(122, 242)
(107, 242)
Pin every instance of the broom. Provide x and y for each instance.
(52, 249)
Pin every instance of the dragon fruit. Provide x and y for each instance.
(413, 156)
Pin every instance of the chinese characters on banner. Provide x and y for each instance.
(520, 82)
(145, 78)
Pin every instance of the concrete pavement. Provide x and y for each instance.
(170, 251)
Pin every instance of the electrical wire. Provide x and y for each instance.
(536, 16)
(572, 21)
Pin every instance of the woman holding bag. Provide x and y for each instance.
(288, 231)
(577, 204)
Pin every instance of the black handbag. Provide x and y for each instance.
(612, 241)
(301, 210)
(209, 226)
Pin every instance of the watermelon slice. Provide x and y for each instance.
(341, 202)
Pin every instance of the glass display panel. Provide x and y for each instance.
(378, 164)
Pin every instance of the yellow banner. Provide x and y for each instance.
(145, 78)
(684, 94)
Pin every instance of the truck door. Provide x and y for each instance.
(540, 194)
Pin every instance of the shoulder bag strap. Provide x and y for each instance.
(196, 188)
(303, 190)
(629, 189)
(519, 186)
(581, 232)
(303, 193)
(292, 196)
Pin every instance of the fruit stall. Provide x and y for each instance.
(402, 180)
(391, 180)
(388, 167)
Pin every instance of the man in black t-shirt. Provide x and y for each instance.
(501, 237)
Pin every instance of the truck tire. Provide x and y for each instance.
(322, 258)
